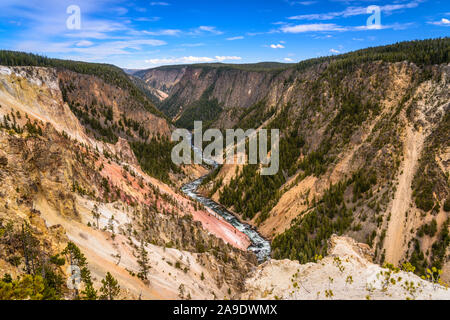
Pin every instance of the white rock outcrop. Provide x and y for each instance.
(346, 273)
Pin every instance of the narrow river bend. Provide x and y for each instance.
(259, 245)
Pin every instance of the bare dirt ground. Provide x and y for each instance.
(213, 223)
(291, 204)
(101, 250)
(395, 243)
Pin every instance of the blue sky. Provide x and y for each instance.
(146, 34)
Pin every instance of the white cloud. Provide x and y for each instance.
(252, 34)
(334, 51)
(354, 11)
(147, 19)
(202, 30)
(87, 35)
(159, 4)
(120, 10)
(165, 32)
(442, 22)
(319, 27)
(306, 3)
(371, 27)
(312, 27)
(288, 60)
(84, 43)
(327, 36)
(176, 32)
(99, 51)
(276, 46)
(94, 29)
(394, 26)
(192, 45)
(303, 3)
(44, 23)
(191, 59)
(209, 29)
(235, 38)
(224, 58)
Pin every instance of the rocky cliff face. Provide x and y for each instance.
(233, 88)
(364, 153)
(347, 273)
(360, 117)
(162, 79)
(61, 182)
(388, 140)
(35, 91)
(111, 105)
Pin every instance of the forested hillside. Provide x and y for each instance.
(87, 182)
(109, 73)
(363, 148)
(111, 106)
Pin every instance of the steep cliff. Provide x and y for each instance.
(162, 79)
(231, 89)
(364, 148)
(65, 179)
(364, 152)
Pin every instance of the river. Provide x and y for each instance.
(259, 246)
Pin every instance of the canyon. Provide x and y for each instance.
(362, 194)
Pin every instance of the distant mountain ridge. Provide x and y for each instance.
(241, 86)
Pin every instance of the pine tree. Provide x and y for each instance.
(110, 288)
(28, 287)
(89, 292)
(143, 262)
(111, 227)
(96, 214)
(77, 258)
